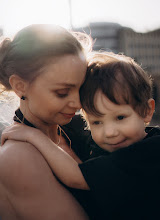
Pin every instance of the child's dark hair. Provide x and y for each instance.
(120, 79)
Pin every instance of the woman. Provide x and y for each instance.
(45, 66)
(125, 179)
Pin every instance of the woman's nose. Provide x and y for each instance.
(75, 102)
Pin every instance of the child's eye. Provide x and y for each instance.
(96, 123)
(120, 117)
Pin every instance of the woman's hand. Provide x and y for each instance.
(18, 132)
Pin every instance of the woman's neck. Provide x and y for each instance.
(50, 130)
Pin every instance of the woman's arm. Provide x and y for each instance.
(64, 166)
(28, 188)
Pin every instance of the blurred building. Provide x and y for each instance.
(105, 35)
(143, 47)
(1, 31)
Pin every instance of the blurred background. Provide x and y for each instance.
(125, 26)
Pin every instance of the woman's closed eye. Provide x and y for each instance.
(62, 93)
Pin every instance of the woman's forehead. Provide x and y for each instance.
(66, 70)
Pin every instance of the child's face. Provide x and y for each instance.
(119, 127)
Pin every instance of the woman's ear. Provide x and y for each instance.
(18, 85)
(149, 115)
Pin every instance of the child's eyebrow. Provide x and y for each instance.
(123, 111)
(95, 117)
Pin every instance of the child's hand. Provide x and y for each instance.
(17, 132)
(54, 155)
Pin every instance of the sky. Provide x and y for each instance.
(140, 15)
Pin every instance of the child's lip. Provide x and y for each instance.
(119, 144)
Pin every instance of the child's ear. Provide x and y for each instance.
(149, 115)
(18, 85)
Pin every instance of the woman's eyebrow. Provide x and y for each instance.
(66, 84)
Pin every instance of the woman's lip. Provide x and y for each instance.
(68, 115)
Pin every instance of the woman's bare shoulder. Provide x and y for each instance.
(21, 161)
(18, 152)
(29, 189)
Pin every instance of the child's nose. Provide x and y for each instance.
(111, 131)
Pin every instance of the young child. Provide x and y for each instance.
(117, 101)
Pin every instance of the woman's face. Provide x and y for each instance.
(53, 97)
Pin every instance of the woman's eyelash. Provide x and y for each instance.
(62, 95)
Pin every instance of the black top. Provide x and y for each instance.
(126, 183)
